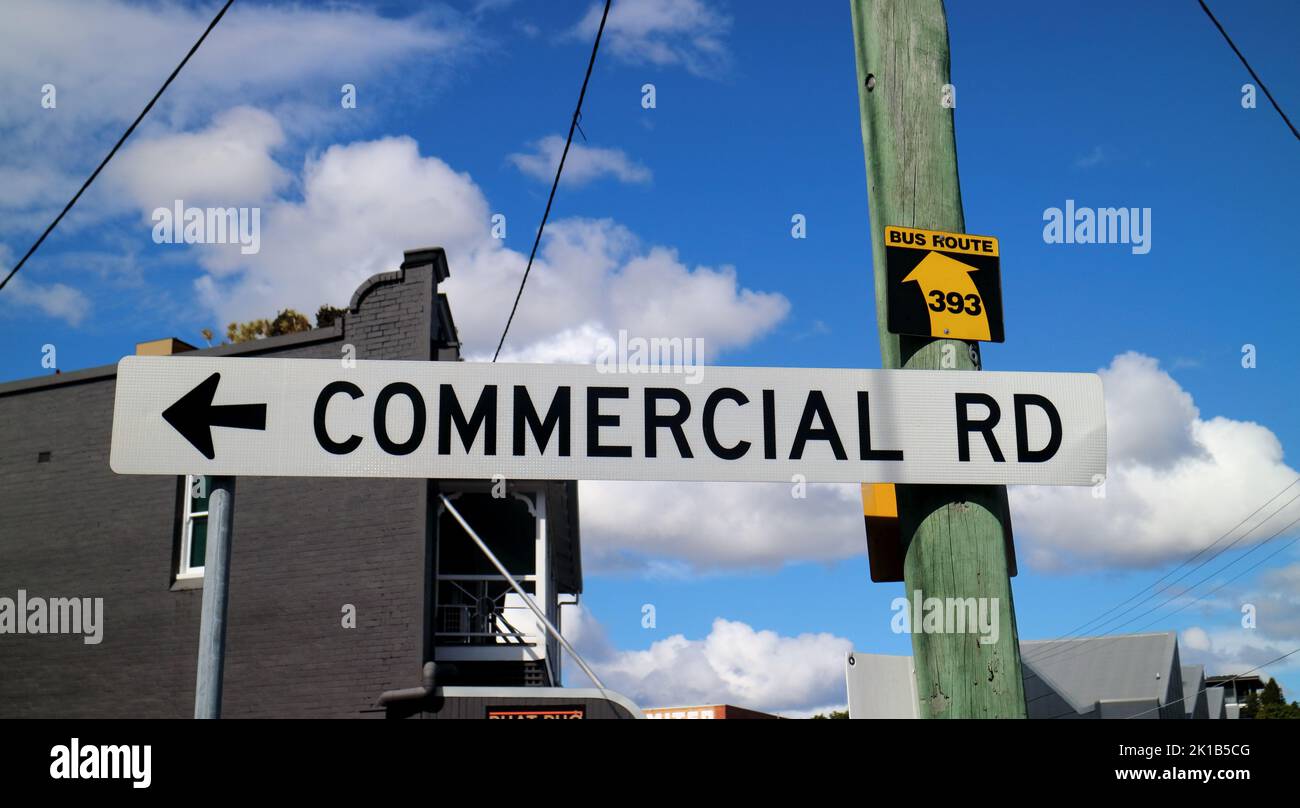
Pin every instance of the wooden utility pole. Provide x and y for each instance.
(953, 536)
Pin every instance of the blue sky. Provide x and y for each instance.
(756, 119)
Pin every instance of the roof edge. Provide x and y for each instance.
(250, 348)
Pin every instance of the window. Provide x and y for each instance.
(194, 527)
(477, 615)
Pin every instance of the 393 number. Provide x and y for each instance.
(955, 303)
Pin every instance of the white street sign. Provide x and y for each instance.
(467, 420)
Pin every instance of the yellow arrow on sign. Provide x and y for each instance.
(955, 305)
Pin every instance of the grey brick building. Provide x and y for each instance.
(303, 549)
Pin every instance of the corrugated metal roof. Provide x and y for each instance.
(1090, 669)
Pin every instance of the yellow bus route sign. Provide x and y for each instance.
(943, 285)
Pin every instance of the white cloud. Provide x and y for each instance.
(363, 203)
(56, 300)
(714, 526)
(1276, 598)
(42, 184)
(663, 33)
(1287, 578)
(227, 164)
(1150, 419)
(1093, 158)
(1235, 651)
(1231, 647)
(1195, 639)
(580, 345)
(487, 6)
(735, 664)
(583, 165)
(106, 59)
(1176, 481)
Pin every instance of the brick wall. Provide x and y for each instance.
(302, 549)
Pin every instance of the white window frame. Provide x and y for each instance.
(184, 570)
(541, 646)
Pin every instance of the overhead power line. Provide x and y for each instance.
(1250, 69)
(1184, 594)
(1202, 690)
(577, 113)
(1210, 559)
(1155, 588)
(1228, 681)
(1246, 571)
(1073, 653)
(116, 146)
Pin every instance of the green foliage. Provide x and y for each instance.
(1291, 710)
(1272, 693)
(832, 714)
(1270, 703)
(287, 321)
(1251, 706)
(326, 315)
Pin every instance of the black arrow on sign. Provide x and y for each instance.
(194, 415)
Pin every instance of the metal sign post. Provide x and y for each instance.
(216, 588)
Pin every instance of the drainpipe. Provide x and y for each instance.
(411, 693)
